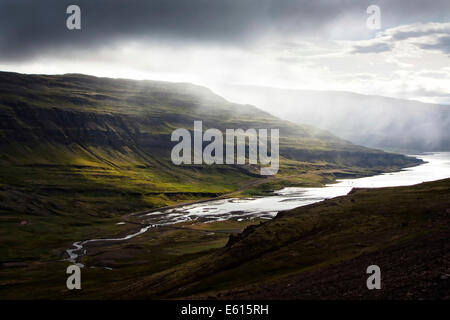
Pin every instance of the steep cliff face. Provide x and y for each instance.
(96, 136)
(137, 117)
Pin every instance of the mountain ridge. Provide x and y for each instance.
(375, 121)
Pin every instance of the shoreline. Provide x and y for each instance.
(258, 182)
(79, 245)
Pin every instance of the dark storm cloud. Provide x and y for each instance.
(372, 48)
(442, 44)
(436, 37)
(430, 30)
(30, 27)
(404, 35)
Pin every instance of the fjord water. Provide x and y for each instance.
(436, 166)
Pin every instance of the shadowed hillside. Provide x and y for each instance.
(77, 151)
(321, 251)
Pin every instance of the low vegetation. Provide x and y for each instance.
(79, 152)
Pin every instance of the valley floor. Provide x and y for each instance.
(320, 251)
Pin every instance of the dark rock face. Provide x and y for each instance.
(139, 116)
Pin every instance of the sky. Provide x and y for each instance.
(293, 44)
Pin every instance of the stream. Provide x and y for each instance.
(436, 167)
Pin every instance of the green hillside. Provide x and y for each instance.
(78, 151)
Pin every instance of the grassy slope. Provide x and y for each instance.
(322, 250)
(77, 151)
